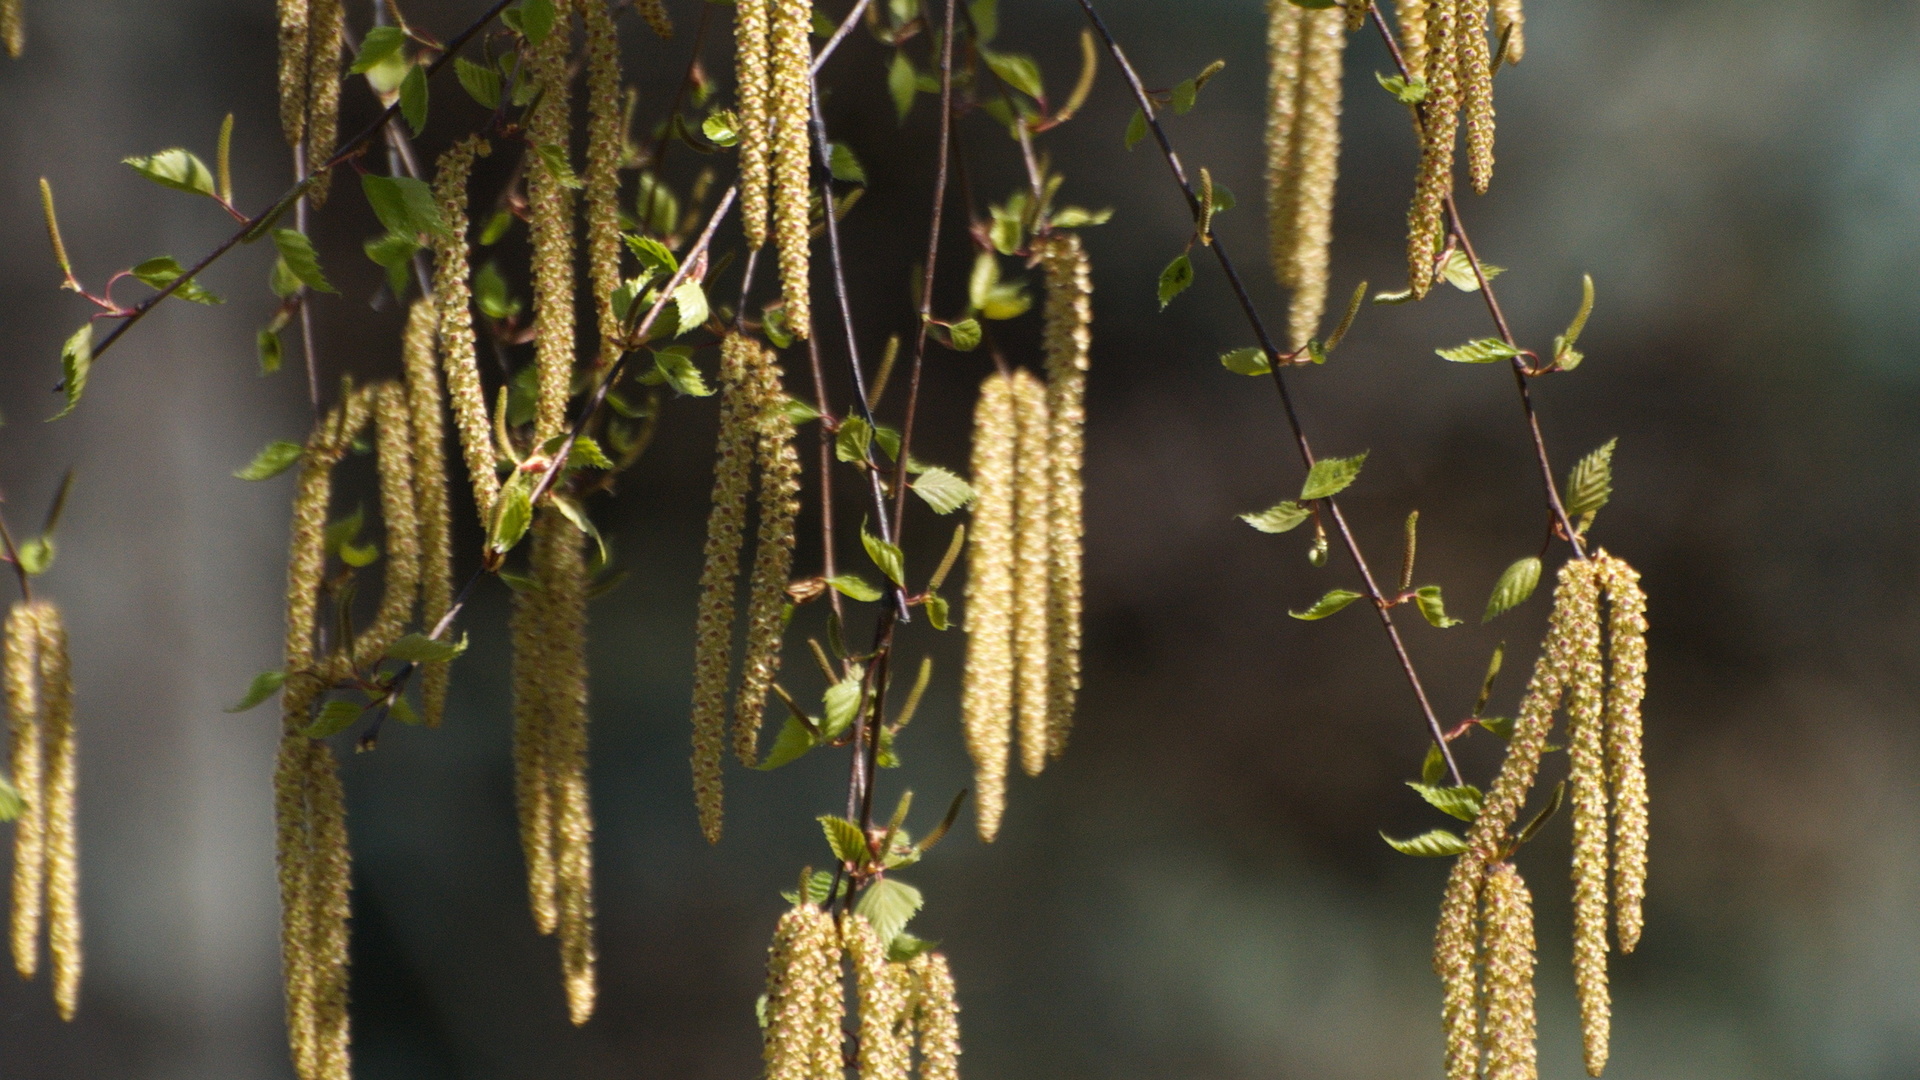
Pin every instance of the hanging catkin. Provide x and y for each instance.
(773, 557)
(534, 646)
(937, 1015)
(803, 997)
(1068, 340)
(1285, 22)
(430, 497)
(655, 13)
(453, 301)
(1412, 15)
(605, 144)
(790, 108)
(1587, 793)
(326, 36)
(293, 70)
(1439, 129)
(550, 224)
(1455, 946)
(1032, 514)
(400, 592)
(1323, 38)
(561, 569)
(1476, 84)
(1510, 23)
(13, 26)
(1508, 922)
(26, 761)
(881, 991)
(986, 696)
(39, 693)
(1627, 629)
(713, 624)
(753, 92)
(63, 856)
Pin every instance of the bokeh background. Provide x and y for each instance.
(1198, 888)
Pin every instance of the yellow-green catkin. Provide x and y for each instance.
(1476, 79)
(713, 623)
(773, 557)
(1285, 23)
(1412, 16)
(326, 37)
(562, 578)
(453, 302)
(790, 110)
(1323, 40)
(1439, 130)
(1454, 949)
(293, 70)
(605, 145)
(803, 997)
(655, 14)
(62, 774)
(332, 906)
(881, 990)
(26, 761)
(1032, 521)
(828, 1035)
(1510, 24)
(535, 643)
(1587, 794)
(550, 225)
(399, 512)
(1508, 955)
(425, 405)
(13, 27)
(1067, 341)
(753, 93)
(986, 695)
(1627, 685)
(937, 1016)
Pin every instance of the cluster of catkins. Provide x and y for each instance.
(1023, 582)
(13, 26)
(1483, 949)
(773, 68)
(755, 428)
(1303, 153)
(903, 1006)
(312, 36)
(39, 692)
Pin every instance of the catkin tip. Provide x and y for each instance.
(773, 558)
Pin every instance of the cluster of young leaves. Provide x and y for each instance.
(867, 857)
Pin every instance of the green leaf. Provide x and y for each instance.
(36, 555)
(840, 704)
(272, 460)
(1516, 583)
(404, 205)
(1501, 726)
(1590, 482)
(676, 366)
(76, 361)
(1017, 71)
(402, 710)
(1565, 356)
(1184, 95)
(420, 649)
(1136, 129)
(496, 227)
(844, 166)
(936, 610)
(1284, 517)
(943, 491)
(1079, 217)
(1488, 350)
(514, 513)
(905, 947)
(849, 844)
(298, 254)
(1331, 476)
(534, 19)
(986, 20)
(358, 555)
(689, 306)
(1248, 361)
(964, 336)
(721, 127)
(889, 904)
(586, 454)
(554, 159)
(1458, 270)
(852, 441)
(1175, 279)
(490, 293)
(177, 169)
(1433, 768)
(855, 586)
(888, 557)
(797, 411)
(790, 745)
(1326, 605)
(1431, 845)
(413, 99)
(282, 281)
(653, 254)
(1462, 802)
(1554, 802)
(335, 717)
(1406, 92)
(481, 81)
(11, 804)
(1427, 598)
(394, 253)
(380, 43)
(162, 271)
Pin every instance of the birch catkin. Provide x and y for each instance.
(773, 557)
(882, 996)
(1587, 791)
(564, 696)
(1285, 23)
(1412, 15)
(753, 90)
(13, 27)
(430, 497)
(1454, 951)
(63, 856)
(1476, 82)
(713, 624)
(26, 761)
(1068, 340)
(1510, 24)
(326, 36)
(550, 224)
(937, 1015)
(534, 645)
(1323, 38)
(293, 70)
(605, 144)
(400, 592)
(1508, 919)
(1031, 516)
(1627, 629)
(453, 301)
(790, 109)
(1439, 129)
(803, 1022)
(655, 13)
(986, 696)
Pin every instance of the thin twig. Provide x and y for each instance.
(13, 556)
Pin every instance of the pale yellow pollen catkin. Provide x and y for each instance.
(1412, 16)
(882, 997)
(1032, 520)
(802, 967)
(535, 644)
(986, 697)
(827, 1037)
(1508, 926)
(655, 14)
(1439, 130)
(1627, 629)
(425, 405)
(550, 226)
(713, 623)
(26, 761)
(13, 27)
(562, 571)
(1323, 40)
(293, 856)
(1510, 22)
(1476, 80)
(400, 592)
(1285, 23)
(753, 98)
(773, 557)
(606, 142)
(937, 1015)
(293, 69)
(453, 302)
(1068, 341)
(1587, 795)
(790, 110)
(326, 37)
(332, 906)
(62, 846)
(1454, 949)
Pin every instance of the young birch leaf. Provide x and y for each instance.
(272, 460)
(1247, 361)
(1554, 802)
(534, 19)
(1019, 72)
(1427, 598)
(1175, 279)
(404, 205)
(36, 555)
(265, 685)
(1590, 482)
(676, 366)
(941, 490)
(177, 169)
(855, 587)
(1136, 129)
(380, 43)
(586, 454)
(1335, 600)
(1516, 583)
(418, 648)
(163, 271)
(1331, 476)
(1458, 270)
(413, 99)
(1433, 768)
(840, 702)
(1285, 517)
(514, 515)
(844, 166)
(964, 336)
(887, 557)
(852, 441)
(889, 904)
(554, 159)
(793, 741)
(76, 361)
(298, 254)
(481, 81)
(1565, 356)
(936, 610)
(1079, 217)
(1431, 845)
(1462, 802)
(1500, 726)
(849, 844)
(900, 83)
(1479, 351)
(335, 717)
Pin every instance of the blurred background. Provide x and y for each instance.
(1198, 888)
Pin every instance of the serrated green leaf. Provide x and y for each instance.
(394, 253)
(1284, 517)
(1433, 767)
(937, 614)
(296, 251)
(162, 271)
(1175, 279)
(272, 460)
(418, 648)
(941, 490)
(1501, 726)
(849, 844)
(790, 745)
(840, 704)
(721, 127)
(1479, 351)
(1333, 601)
(852, 441)
(889, 904)
(1516, 583)
(1248, 361)
(1427, 599)
(1079, 217)
(1462, 802)
(844, 166)
(1017, 71)
(76, 362)
(413, 98)
(534, 19)
(905, 947)
(1430, 845)
(855, 586)
(335, 717)
(481, 81)
(689, 306)
(1590, 481)
(888, 557)
(964, 336)
(1331, 476)
(1458, 271)
(553, 158)
(380, 43)
(1406, 92)
(513, 514)
(404, 205)
(586, 454)
(652, 254)
(677, 368)
(175, 168)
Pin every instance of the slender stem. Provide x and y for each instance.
(1277, 363)
(839, 34)
(13, 556)
(824, 406)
